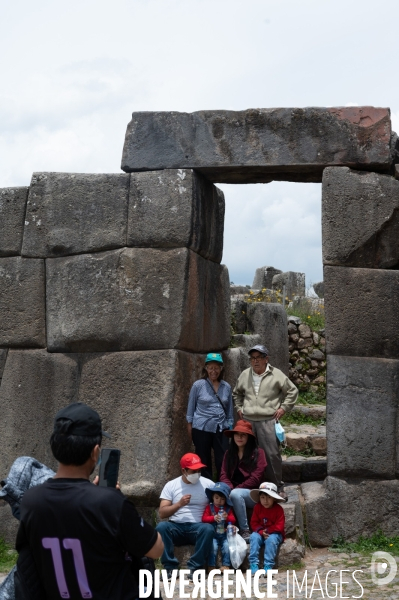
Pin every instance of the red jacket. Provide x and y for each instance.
(270, 520)
(208, 517)
(253, 479)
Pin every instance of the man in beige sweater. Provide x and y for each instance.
(262, 395)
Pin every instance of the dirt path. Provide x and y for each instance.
(317, 564)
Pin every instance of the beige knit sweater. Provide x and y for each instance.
(275, 391)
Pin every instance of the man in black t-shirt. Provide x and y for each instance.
(82, 537)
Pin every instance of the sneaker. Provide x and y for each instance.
(245, 534)
(254, 568)
(169, 573)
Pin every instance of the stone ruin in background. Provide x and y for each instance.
(112, 291)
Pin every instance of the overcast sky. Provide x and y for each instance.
(73, 72)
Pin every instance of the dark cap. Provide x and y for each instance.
(259, 348)
(84, 420)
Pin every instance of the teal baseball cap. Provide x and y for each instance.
(214, 357)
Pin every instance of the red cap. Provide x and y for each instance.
(191, 461)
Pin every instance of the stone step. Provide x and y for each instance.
(305, 437)
(303, 468)
(315, 411)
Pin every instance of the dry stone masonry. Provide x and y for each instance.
(111, 291)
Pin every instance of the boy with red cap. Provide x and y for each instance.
(183, 501)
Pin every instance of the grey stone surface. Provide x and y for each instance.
(302, 468)
(259, 145)
(176, 208)
(70, 213)
(3, 357)
(22, 302)
(350, 508)
(264, 277)
(137, 299)
(295, 320)
(360, 219)
(270, 322)
(244, 342)
(362, 412)
(294, 284)
(35, 385)
(142, 399)
(239, 315)
(12, 213)
(362, 312)
(232, 365)
(319, 289)
(313, 411)
(238, 290)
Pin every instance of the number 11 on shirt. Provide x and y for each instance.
(73, 544)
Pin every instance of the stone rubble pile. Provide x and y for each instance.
(307, 355)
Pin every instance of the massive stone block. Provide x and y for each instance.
(142, 399)
(362, 312)
(22, 302)
(176, 208)
(360, 219)
(263, 278)
(362, 412)
(259, 145)
(137, 299)
(350, 508)
(294, 284)
(70, 213)
(35, 385)
(270, 322)
(12, 213)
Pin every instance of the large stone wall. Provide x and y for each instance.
(359, 218)
(107, 296)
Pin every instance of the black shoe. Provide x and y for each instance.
(169, 573)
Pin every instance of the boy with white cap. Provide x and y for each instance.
(267, 524)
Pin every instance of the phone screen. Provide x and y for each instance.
(109, 467)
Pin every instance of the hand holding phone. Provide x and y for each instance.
(109, 467)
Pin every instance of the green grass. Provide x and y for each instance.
(297, 566)
(8, 557)
(377, 542)
(315, 319)
(318, 397)
(297, 418)
(291, 452)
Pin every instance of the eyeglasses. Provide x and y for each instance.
(255, 358)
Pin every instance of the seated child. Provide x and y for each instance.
(267, 524)
(218, 514)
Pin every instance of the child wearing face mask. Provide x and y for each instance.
(267, 524)
(219, 513)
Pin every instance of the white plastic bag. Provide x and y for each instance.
(237, 548)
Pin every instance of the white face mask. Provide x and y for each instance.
(194, 477)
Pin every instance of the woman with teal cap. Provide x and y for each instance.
(209, 413)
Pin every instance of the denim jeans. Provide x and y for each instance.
(219, 541)
(272, 544)
(173, 534)
(241, 501)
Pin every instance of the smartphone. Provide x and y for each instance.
(109, 467)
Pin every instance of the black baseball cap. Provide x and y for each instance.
(84, 420)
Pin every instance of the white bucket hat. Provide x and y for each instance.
(267, 488)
